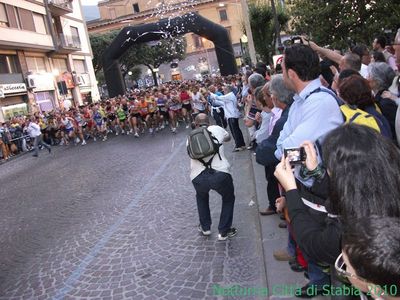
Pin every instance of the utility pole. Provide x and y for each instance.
(245, 12)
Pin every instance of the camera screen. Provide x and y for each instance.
(295, 155)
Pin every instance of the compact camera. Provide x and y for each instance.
(295, 155)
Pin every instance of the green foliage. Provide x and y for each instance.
(336, 22)
(262, 27)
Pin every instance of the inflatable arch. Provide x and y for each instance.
(166, 28)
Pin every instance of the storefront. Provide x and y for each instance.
(12, 100)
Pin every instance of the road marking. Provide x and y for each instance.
(77, 273)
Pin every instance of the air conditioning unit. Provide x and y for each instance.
(31, 81)
(78, 80)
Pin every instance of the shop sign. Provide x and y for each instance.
(12, 88)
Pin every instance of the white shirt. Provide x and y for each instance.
(221, 165)
(229, 103)
(263, 132)
(197, 104)
(364, 71)
(33, 130)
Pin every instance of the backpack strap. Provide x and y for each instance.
(324, 90)
(355, 116)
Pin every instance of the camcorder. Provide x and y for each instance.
(295, 155)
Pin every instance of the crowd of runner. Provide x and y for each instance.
(169, 106)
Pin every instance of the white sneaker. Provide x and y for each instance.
(136, 135)
(83, 143)
(94, 139)
(131, 131)
(151, 130)
(77, 140)
(116, 133)
(204, 232)
(123, 132)
(173, 130)
(104, 139)
(187, 126)
(162, 126)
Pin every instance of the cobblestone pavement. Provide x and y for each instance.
(118, 220)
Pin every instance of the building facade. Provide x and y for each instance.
(201, 58)
(45, 57)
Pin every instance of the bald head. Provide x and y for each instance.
(201, 119)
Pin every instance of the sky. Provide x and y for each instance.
(89, 2)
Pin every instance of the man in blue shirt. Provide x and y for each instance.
(314, 112)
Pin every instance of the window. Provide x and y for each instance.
(60, 64)
(75, 36)
(12, 17)
(9, 64)
(26, 19)
(136, 8)
(113, 14)
(197, 41)
(39, 23)
(36, 64)
(3, 16)
(80, 66)
(223, 15)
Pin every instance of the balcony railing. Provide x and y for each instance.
(60, 7)
(68, 43)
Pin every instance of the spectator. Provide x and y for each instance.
(35, 133)
(379, 44)
(381, 78)
(315, 110)
(350, 61)
(348, 183)
(370, 257)
(362, 51)
(281, 98)
(356, 93)
(377, 56)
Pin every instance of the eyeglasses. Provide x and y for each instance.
(340, 267)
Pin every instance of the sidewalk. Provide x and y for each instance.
(281, 280)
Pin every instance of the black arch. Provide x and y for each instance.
(167, 27)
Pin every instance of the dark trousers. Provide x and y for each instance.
(39, 141)
(272, 186)
(236, 132)
(222, 183)
(219, 117)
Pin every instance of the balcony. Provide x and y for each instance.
(60, 7)
(67, 43)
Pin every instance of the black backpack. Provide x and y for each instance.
(201, 144)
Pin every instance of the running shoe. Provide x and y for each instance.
(136, 135)
(204, 232)
(83, 143)
(230, 233)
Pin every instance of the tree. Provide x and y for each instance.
(165, 51)
(262, 27)
(339, 22)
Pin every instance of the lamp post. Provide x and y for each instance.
(252, 50)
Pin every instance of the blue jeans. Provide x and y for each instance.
(316, 275)
(222, 183)
(39, 141)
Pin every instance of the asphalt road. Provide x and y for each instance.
(118, 220)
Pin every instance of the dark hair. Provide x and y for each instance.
(381, 40)
(326, 71)
(303, 60)
(364, 169)
(378, 56)
(347, 73)
(355, 90)
(372, 245)
(360, 50)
